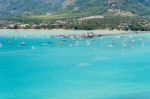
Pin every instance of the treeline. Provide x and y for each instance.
(119, 23)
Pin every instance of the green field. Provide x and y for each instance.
(70, 14)
(59, 16)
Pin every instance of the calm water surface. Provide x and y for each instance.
(110, 67)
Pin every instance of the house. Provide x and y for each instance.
(91, 17)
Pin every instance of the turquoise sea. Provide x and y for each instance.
(108, 67)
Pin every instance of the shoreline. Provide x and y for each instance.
(62, 32)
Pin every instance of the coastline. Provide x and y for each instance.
(60, 32)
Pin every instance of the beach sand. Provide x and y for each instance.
(55, 32)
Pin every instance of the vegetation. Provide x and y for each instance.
(49, 14)
(119, 23)
(67, 9)
(114, 22)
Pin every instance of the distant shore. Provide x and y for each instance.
(59, 32)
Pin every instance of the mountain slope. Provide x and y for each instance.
(20, 7)
(71, 7)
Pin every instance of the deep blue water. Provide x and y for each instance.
(109, 67)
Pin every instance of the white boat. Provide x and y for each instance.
(32, 47)
(44, 44)
(1, 45)
(110, 46)
(22, 43)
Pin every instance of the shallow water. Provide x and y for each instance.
(110, 67)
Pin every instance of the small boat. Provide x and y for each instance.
(133, 40)
(32, 47)
(9, 42)
(72, 37)
(88, 43)
(143, 44)
(22, 44)
(113, 43)
(110, 46)
(44, 44)
(1, 45)
(61, 43)
(124, 45)
(77, 44)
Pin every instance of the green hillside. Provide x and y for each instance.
(56, 9)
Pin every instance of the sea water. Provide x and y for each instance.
(108, 67)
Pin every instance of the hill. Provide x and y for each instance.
(49, 9)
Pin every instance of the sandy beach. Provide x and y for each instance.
(56, 32)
